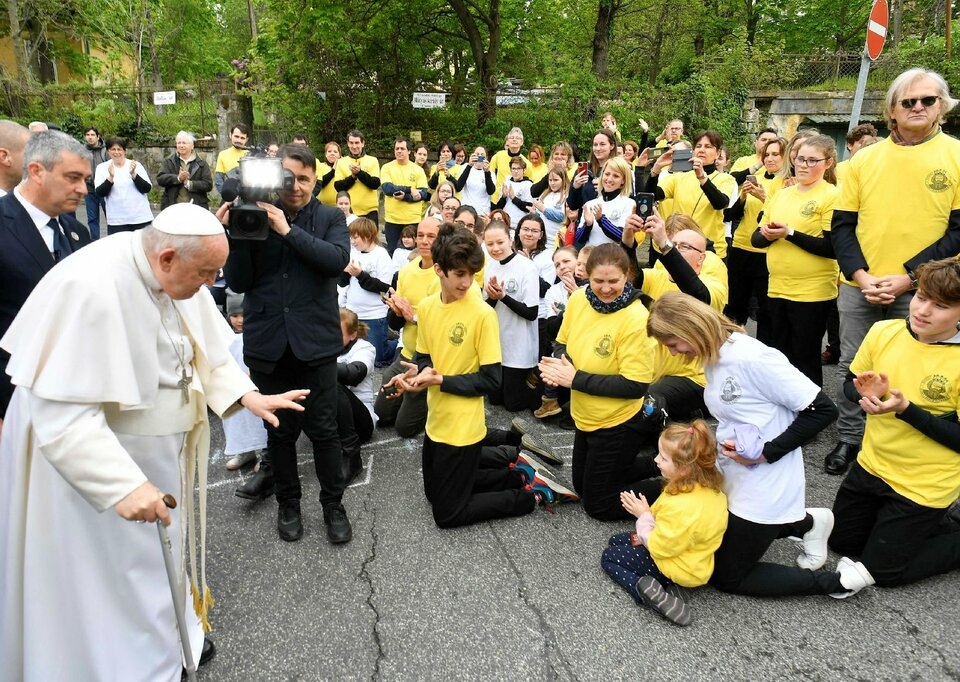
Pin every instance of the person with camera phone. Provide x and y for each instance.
(475, 182)
(701, 193)
(292, 335)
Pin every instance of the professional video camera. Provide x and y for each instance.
(255, 179)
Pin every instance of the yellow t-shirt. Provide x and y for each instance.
(922, 180)
(408, 175)
(796, 274)
(751, 211)
(460, 337)
(536, 173)
(610, 344)
(667, 365)
(912, 464)
(841, 170)
(657, 282)
(415, 284)
(229, 159)
(689, 199)
(328, 194)
(362, 198)
(744, 162)
(689, 529)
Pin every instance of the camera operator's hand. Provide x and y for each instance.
(223, 213)
(276, 218)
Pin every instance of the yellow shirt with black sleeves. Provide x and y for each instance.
(690, 526)
(744, 162)
(689, 199)
(449, 174)
(415, 283)
(407, 175)
(229, 159)
(841, 170)
(460, 337)
(912, 464)
(363, 199)
(922, 180)
(609, 344)
(751, 212)
(796, 274)
(657, 282)
(667, 365)
(328, 194)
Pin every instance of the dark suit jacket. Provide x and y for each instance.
(290, 286)
(24, 260)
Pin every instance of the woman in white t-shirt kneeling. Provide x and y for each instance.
(766, 410)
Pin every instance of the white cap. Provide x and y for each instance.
(188, 219)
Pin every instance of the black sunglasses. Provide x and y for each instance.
(927, 101)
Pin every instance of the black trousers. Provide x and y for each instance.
(318, 421)
(513, 393)
(461, 493)
(738, 569)
(798, 329)
(354, 423)
(747, 276)
(608, 461)
(391, 233)
(895, 538)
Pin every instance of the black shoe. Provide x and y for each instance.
(288, 522)
(566, 422)
(208, 651)
(839, 459)
(338, 525)
(257, 487)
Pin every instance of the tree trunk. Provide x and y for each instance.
(485, 60)
(657, 49)
(606, 12)
(24, 73)
(752, 17)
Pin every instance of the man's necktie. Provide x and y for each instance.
(61, 245)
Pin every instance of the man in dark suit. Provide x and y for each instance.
(292, 338)
(35, 233)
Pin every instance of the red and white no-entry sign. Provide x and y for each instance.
(877, 28)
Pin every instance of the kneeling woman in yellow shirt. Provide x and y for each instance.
(605, 358)
(795, 230)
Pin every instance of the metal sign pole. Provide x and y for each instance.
(861, 88)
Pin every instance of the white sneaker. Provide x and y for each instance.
(854, 576)
(814, 541)
(241, 460)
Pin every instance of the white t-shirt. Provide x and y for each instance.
(547, 272)
(363, 351)
(552, 214)
(556, 299)
(367, 304)
(401, 257)
(755, 384)
(616, 211)
(125, 205)
(519, 338)
(522, 190)
(243, 431)
(474, 192)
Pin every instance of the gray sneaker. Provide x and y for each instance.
(531, 444)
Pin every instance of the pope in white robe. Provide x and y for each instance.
(116, 356)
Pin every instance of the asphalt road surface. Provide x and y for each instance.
(522, 599)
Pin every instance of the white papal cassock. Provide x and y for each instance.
(96, 354)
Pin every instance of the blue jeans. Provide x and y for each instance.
(377, 336)
(94, 204)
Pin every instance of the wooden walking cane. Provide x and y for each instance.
(175, 591)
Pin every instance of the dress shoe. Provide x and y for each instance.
(206, 655)
(208, 651)
(338, 525)
(289, 524)
(259, 486)
(839, 459)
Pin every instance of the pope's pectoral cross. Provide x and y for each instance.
(184, 385)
